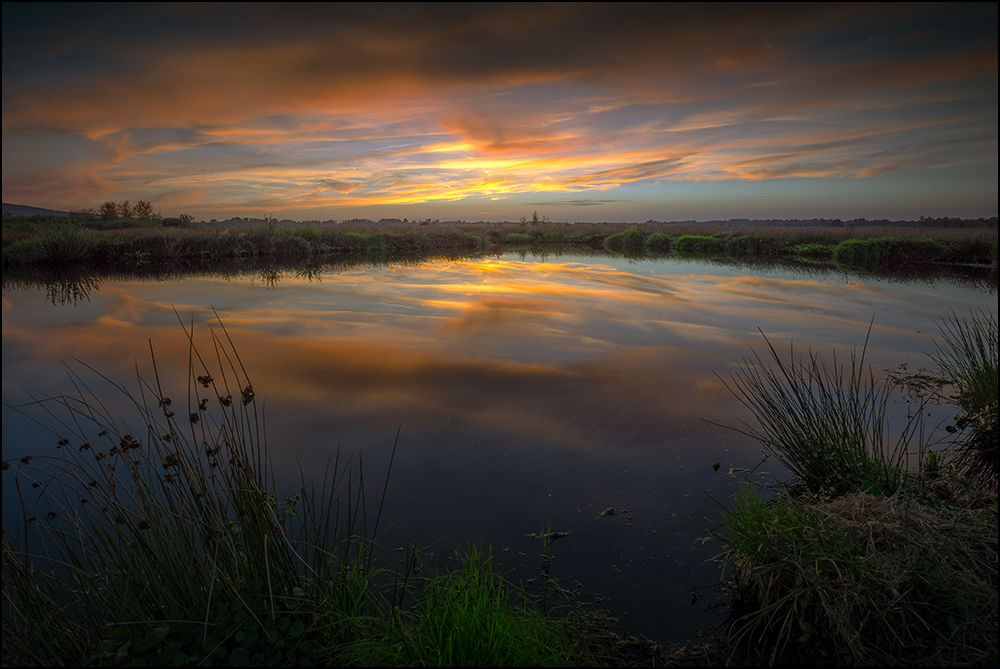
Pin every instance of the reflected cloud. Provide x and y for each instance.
(498, 317)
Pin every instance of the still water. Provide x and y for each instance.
(529, 393)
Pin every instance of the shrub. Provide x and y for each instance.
(630, 242)
(658, 244)
(699, 245)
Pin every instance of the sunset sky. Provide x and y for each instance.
(581, 112)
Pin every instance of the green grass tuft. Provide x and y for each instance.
(827, 423)
(967, 356)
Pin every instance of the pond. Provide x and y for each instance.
(529, 393)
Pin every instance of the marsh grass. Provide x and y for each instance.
(164, 541)
(862, 580)
(966, 354)
(826, 422)
(110, 246)
(472, 616)
(866, 562)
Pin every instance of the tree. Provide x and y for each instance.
(108, 211)
(143, 211)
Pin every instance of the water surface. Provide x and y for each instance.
(528, 393)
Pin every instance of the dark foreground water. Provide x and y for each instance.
(529, 394)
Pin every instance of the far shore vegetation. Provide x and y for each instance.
(123, 237)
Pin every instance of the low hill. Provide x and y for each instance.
(24, 210)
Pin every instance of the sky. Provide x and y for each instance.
(494, 111)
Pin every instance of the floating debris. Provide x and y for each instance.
(551, 536)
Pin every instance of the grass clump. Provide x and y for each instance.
(755, 246)
(629, 243)
(699, 245)
(862, 580)
(889, 252)
(166, 542)
(471, 617)
(866, 562)
(967, 356)
(827, 423)
(658, 244)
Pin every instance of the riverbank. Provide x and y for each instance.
(869, 248)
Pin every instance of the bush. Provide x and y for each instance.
(699, 245)
(658, 244)
(888, 252)
(630, 242)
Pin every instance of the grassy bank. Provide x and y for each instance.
(108, 248)
(865, 561)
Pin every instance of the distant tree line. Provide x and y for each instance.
(142, 211)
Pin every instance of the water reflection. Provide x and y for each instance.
(529, 393)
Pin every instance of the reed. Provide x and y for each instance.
(166, 541)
